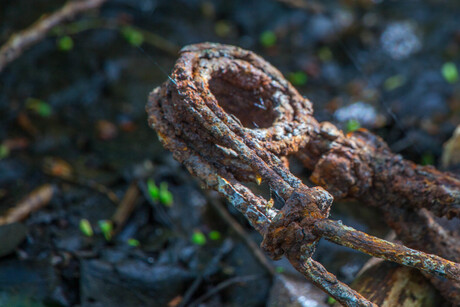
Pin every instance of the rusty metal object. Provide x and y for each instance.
(416, 200)
(230, 118)
(360, 165)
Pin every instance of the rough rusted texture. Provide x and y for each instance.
(360, 165)
(336, 232)
(421, 230)
(231, 118)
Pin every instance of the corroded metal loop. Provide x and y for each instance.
(247, 94)
(230, 117)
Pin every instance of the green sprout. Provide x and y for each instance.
(106, 227)
(85, 228)
(198, 238)
(223, 28)
(4, 151)
(65, 43)
(214, 235)
(352, 125)
(298, 78)
(161, 194)
(133, 36)
(40, 107)
(267, 39)
(427, 159)
(133, 242)
(331, 300)
(325, 54)
(394, 82)
(165, 197)
(154, 191)
(450, 72)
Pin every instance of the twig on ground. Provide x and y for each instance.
(24, 39)
(36, 200)
(125, 208)
(226, 247)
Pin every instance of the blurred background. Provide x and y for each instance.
(122, 223)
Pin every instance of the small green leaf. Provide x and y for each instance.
(331, 300)
(394, 82)
(223, 28)
(214, 235)
(267, 39)
(427, 159)
(198, 238)
(154, 192)
(352, 125)
(165, 197)
(85, 228)
(133, 242)
(41, 107)
(325, 54)
(298, 78)
(133, 36)
(4, 151)
(279, 269)
(106, 227)
(65, 43)
(450, 72)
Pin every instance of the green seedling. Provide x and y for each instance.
(267, 39)
(198, 238)
(4, 151)
(223, 28)
(427, 159)
(394, 82)
(133, 242)
(85, 228)
(106, 227)
(331, 300)
(325, 54)
(165, 197)
(161, 194)
(298, 78)
(133, 36)
(214, 235)
(154, 191)
(65, 43)
(352, 125)
(450, 72)
(40, 107)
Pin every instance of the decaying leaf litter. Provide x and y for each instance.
(95, 94)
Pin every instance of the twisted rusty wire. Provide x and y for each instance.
(230, 117)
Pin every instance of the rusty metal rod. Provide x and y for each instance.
(338, 233)
(326, 281)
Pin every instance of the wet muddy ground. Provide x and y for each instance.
(72, 120)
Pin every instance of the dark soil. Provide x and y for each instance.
(80, 111)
